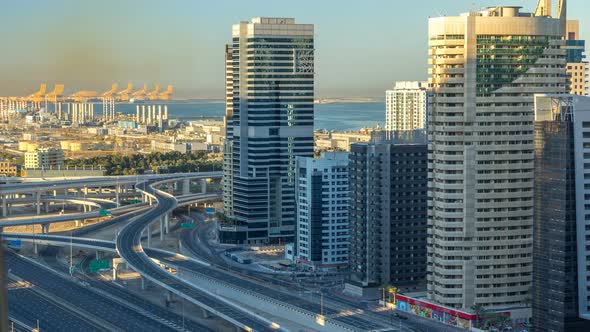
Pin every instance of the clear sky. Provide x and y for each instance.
(362, 46)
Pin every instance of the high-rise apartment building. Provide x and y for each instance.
(269, 123)
(486, 67)
(322, 211)
(44, 158)
(577, 70)
(562, 218)
(405, 106)
(388, 192)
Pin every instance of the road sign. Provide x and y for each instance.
(210, 210)
(72, 269)
(104, 213)
(187, 225)
(99, 264)
(134, 201)
(15, 243)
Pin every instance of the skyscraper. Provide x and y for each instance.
(576, 69)
(388, 191)
(485, 68)
(322, 211)
(560, 266)
(405, 106)
(269, 123)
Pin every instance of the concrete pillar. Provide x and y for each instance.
(161, 229)
(55, 193)
(117, 189)
(149, 237)
(167, 223)
(115, 264)
(203, 186)
(38, 198)
(142, 283)
(45, 228)
(47, 207)
(205, 313)
(4, 208)
(35, 248)
(186, 186)
(97, 255)
(169, 296)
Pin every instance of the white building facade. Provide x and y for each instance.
(322, 211)
(485, 68)
(406, 105)
(44, 158)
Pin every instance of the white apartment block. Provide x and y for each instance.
(406, 105)
(485, 69)
(322, 211)
(44, 158)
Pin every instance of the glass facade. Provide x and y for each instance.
(555, 278)
(388, 188)
(272, 88)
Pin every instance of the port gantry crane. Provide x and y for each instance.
(124, 95)
(139, 94)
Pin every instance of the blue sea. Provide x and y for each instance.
(335, 116)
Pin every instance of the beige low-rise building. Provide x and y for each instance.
(9, 169)
(28, 145)
(341, 141)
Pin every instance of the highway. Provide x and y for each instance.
(129, 247)
(27, 306)
(27, 220)
(195, 241)
(125, 296)
(103, 311)
(47, 185)
(200, 267)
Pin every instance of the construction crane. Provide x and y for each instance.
(124, 94)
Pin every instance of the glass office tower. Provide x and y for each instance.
(270, 79)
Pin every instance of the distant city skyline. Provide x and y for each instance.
(361, 47)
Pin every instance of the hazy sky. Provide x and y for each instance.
(362, 46)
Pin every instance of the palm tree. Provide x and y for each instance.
(480, 311)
